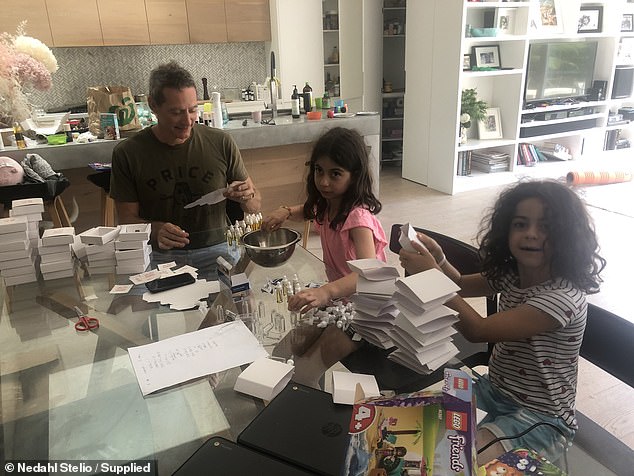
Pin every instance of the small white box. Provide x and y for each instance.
(264, 378)
(16, 263)
(58, 236)
(101, 263)
(13, 224)
(130, 245)
(21, 279)
(47, 250)
(11, 255)
(138, 254)
(17, 271)
(94, 270)
(98, 249)
(65, 256)
(16, 245)
(30, 218)
(106, 254)
(59, 274)
(56, 266)
(23, 202)
(135, 232)
(99, 235)
(26, 210)
(131, 269)
(344, 385)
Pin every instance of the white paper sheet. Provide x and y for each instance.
(344, 385)
(408, 234)
(179, 359)
(211, 198)
(373, 269)
(184, 297)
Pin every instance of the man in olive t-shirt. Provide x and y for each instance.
(158, 171)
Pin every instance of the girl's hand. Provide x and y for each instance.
(422, 260)
(275, 219)
(308, 299)
(433, 247)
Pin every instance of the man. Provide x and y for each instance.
(159, 170)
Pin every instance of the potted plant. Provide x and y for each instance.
(471, 110)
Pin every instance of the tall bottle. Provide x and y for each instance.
(330, 85)
(308, 97)
(295, 102)
(18, 132)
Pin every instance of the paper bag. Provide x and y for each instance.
(111, 99)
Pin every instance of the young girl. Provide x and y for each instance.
(341, 202)
(540, 252)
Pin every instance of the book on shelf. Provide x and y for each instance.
(464, 163)
(611, 137)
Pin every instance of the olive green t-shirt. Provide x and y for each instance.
(163, 179)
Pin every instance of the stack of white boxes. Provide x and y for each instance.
(374, 308)
(423, 327)
(56, 257)
(17, 264)
(99, 249)
(31, 209)
(132, 248)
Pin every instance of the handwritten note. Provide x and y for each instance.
(179, 359)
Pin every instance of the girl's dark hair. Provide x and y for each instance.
(346, 148)
(169, 75)
(571, 235)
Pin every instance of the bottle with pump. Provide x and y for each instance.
(18, 132)
(295, 102)
(308, 97)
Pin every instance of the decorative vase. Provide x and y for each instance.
(462, 138)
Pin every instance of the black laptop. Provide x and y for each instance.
(222, 457)
(304, 427)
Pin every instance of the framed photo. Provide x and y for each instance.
(491, 126)
(590, 19)
(548, 17)
(486, 56)
(505, 21)
(627, 22)
(466, 62)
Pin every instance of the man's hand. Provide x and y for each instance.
(171, 236)
(240, 191)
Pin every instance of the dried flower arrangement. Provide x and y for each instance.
(25, 63)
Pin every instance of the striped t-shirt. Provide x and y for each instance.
(541, 372)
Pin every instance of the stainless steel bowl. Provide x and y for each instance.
(270, 248)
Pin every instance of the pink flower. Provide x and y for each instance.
(31, 71)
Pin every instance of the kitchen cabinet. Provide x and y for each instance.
(15, 11)
(167, 22)
(74, 23)
(248, 20)
(206, 19)
(123, 22)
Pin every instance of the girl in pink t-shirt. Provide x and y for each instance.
(341, 202)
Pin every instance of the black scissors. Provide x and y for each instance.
(85, 323)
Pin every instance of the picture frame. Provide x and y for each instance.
(548, 18)
(590, 19)
(486, 56)
(491, 126)
(627, 23)
(505, 21)
(466, 62)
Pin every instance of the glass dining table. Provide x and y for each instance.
(70, 395)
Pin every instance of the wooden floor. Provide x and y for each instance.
(601, 397)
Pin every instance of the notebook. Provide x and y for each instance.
(304, 427)
(222, 457)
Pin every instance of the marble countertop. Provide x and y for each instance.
(249, 136)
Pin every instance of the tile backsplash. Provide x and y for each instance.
(225, 65)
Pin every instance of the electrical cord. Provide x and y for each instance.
(519, 435)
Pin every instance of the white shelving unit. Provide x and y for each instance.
(393, 90)
(330, 16)
(435, 79)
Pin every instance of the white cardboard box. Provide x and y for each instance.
(16, 263)
(264, 378)
(13, 224)
(17, 271)
(97, 249)
(15, 245)
(16, 254)
(22, 202)
(47, 250)
(65, 256)
(344, 386)
(130, 245)
(25, 210)
(56, 266)
(135, 232)
(138, 254)
(99, 235)
(58, 274)
(58, 236)
(21, 279)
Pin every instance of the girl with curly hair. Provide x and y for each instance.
(539, 251)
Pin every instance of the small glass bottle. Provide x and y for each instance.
(18, 132)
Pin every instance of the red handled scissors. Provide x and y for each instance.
(85, 323)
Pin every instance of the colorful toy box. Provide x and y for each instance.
(422, 433)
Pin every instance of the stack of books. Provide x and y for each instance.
(374, 308)
(132, 248)
(490, 160)
(99, 249)
(56, 257)
(464, 162)
(17, 264)
(423, 327)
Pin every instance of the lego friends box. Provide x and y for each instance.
(422, 433)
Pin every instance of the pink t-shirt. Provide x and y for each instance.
(338, 247)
